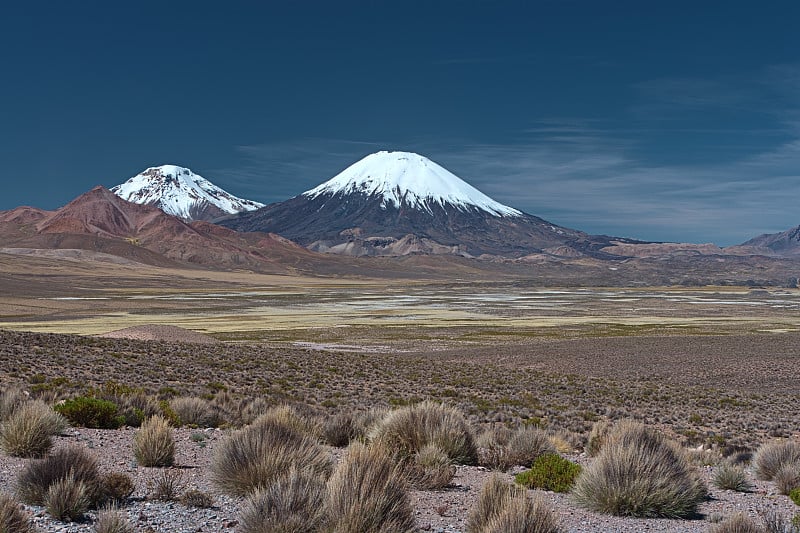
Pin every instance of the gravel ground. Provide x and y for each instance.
(443, 511)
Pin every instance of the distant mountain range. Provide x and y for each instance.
(419, 217)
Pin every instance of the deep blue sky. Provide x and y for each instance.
(662, 120)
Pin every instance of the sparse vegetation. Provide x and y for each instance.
(153, 444)
(71, 463)
(639, 473)
(90, 412)
(167, 485)
(550, 472)
(787, 478)
(29, 429)
(197, 498)
(504, 508)
(367, 492)
(13, 519)
(67, 499)
(195, 412)
(116, 487)
(772, 456)
(257, 455)
(737, 523)
(732, 477)
(111, 520)
(408, 429)
(292, 502)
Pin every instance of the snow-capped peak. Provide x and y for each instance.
(411, 179)
(179, 191)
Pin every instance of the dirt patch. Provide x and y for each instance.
(156, 332)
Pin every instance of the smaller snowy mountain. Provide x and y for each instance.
(180, 192)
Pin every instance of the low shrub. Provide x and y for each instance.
(639, 473)
(116, 487)
(197, 498)
(292, 502)
(550, 472)
(787, 478)
(430, 468)
(167, 485)
(794, 495)
(72, 463)
(732, 477)
(29, 430)
(13, 519)
(339, 430)
(90, 412)
(67, 499)
(256, 456)
(153, 444)
(195, 412)
(737, 523)
(368, 492)
(408, 429)
(504, 508)
(111, 520)
(771, 456)
(526, 444)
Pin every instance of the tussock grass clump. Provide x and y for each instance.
(197, 498)
(116, 487)
(111, 520)
(526, 444)
(72, 463)
(639, 473)
(504, 508)
(195, 412)
(90, 412)
(597, 437)
(29, 430)
(339, 429)
(293, 502)
(67, 499)
(291, 417)
(737, 523)
(257, 455)
(732, 477)
(430, 468)
(10, 399)
(550, 472)
(408, 429)
(13, 519)
(771, 456)
(167, 486)
(787, 478)
(153, 444)
(368, 492)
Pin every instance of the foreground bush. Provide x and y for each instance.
(195, 412)
(367, 492)
(787, 478)
(72, 463)
(732, 477)
(257, 455)
(153, 444)
(29, 430)
(89, 412)
(408, 429)
(112, 520)
(770, 457)
(504, 508)
(430, 468)
(639, 473)
(67, 499)
(293, 502)
(13, 519)
(526, 444)
(339, 429)
(550, 472)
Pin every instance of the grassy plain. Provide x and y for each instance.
(711, 365)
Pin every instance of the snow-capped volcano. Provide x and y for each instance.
(179, 191)
(408, 179)
(399, 203)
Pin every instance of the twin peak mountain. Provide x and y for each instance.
(387, 204)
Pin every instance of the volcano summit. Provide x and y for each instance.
(399, 203)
